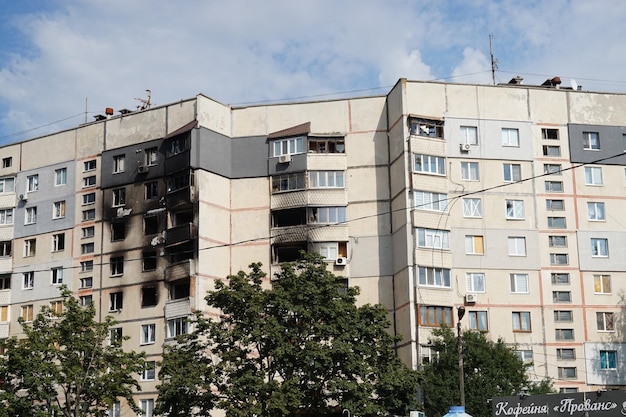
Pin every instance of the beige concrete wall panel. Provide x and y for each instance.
(12, 152)
(250, 121)
(89, 140)
(371, 256)
(36, 153)
(612, 183)
(178, 308)
(5, 297)
(613, 209)
(369, 219)
(330, 233)
(614, 297)
(368, 184)
(181, 113)
(244, 255)
(327, 197)
(370, 291)
(135, 128)
(596, 108)
(214, 115)
(496, 251)
(289, 199)
(326, 117)
(213, 188)
(400, 178)
(326, 162)
(549, 106)
(396, 101)
(250, 226)
(248, 192)
(213, 262)
(426, 99)
(6, 264)
(500, 103)
(464, 101)
(616, 256)
(214, 224)
(368, 114)
(6, 233)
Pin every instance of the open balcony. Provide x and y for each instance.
(180, 234)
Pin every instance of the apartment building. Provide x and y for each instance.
(502, 199)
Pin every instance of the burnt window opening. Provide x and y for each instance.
(179, 181)
(179, 289)
(177, 145)
(118, 231)
(149, 261)
(149, 297)
(151, 225)
(426, 127)
(326, 145)
(289, 217)
(181, 252)
(288, 253)
(181, 217)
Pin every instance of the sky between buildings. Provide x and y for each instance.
(64, 61)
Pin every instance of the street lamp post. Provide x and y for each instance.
(460, 312)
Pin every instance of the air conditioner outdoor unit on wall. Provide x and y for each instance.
(284, 159)
(24, 197)
(341, 261)
(471, 298)
(465, 147)
(142, 169)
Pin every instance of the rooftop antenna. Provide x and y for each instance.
(494, 62)
(145, 101)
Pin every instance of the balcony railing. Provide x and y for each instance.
(180, 234)
(178, 308)
(180, 270)
(180, 197)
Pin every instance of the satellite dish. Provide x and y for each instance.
(574, 84)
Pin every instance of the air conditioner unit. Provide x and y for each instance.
(24, 197)
(465, 147)
(471, 298)
(341, 261)
(142, 169)
(284, 159)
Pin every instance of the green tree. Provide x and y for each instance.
(301, 348)
(65, 367)
(490, 368)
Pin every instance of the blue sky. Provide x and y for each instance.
(63, 61)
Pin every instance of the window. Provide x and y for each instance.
(426, 200)
(329, 250)
(119, 197)
(7, 185)
(88, 231)
(559, 278)
(475, 282)
(521, 321)
(602, 284)
(599, 248)
(151, 225)
(568, 390)
(557, 241)
(31, 215)
(567, 372)
(608, 359)
(117, 266)
(289, 182)
(86, 248)
(559, 259)
(149, 369)
(469, 135)
(563, 316)
(177, 327)
(564, 334)
(550, 150)
(6, 216)
(58, 210)
(151, 190)
(550, 134)
(86, 266)
(116, 300)
(148, 333)
(118, 231)
(554, 186)
(515, 209)
(86, 282)
(30, 247)
(327, 215)
(591, 141)
(326, 179)
(7, 162)
(517, 246)
(593, 175)
(28, 280)
(474, 245)
(151, 156)
(86, 300)
(605, 321)
(469, 171)
(289, 146)
(327, 145)
(526, 356)
(57, 276)
(89, 214)
(556, 222)
(115, 410)
(510, 137)
(426, 127)
(472, 207)
(89, 165)
(595, 211)
(6, 249)
(89, 181)
(478, 321)
(555, 205)
(56, 307)
(428, 354)
(565, 354)
(118, 163)
(519, 283)
(561, 297)
(512, 172)
(32, 183)
(177, 182)
(147, 407)
(149, 296)
(435, 316)
(149, 261)
(89, 198)
(26, 312)
(4, 314)
(433, 277)
(176, 146)
(430, 164)
(432, 238)
(60, 176)
(552, 169)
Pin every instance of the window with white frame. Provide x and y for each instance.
(433, 277)
(31, 215)
(86, 282)
(58, 209)
(149, 371)
(469, 135)
(426, 200)
(433, 238)
(605, 321)
(148, 333)
(565, 354)
(430, 164)
(559, 259)
(561, 296)
(552, 169)
(329, 250)
(26, 312)
(57, 276)
(567, 372)
(515, 209)
(115, 410)
(469, 171)
(4, 314)
(177, 327)
(593, 175)
(474, 245)
(117, 266)
(602, 284)
(608, 359)
(517, 246)
(147, 407)
(6, 247)
(426, 127)
(559, 278)
(557, 222)
(6, 216)
(599, 247)
(591, 141)
(89, 181)
(5, 282)
(28, 280)
(151, 190)
(116, 301)
(60, 176)
(478, 321)
(512, 172)
(326, 179)
(521, 321)
(58, 242)
(87, 248)
(289, 146)
(7, 185)
(550, 134)
(472, 207)
(510, 137)
(554, 186)
(519, 283)
(475, 282)
(563, 316)
(118, 163)
(89, 214)
(89, 231)
(151, 156)
(89, 198)
(30, 247)
(326, 145)
(32, 183)
(86, 300)
(119, 197)
(288, 182)
(327, 214)
(89, 165)
(526, 356)
(595, 211)
(86, 266)
(555, 205)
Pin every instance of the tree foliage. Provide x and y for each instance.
(65, 367)
(490, 368)
(302, 348)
